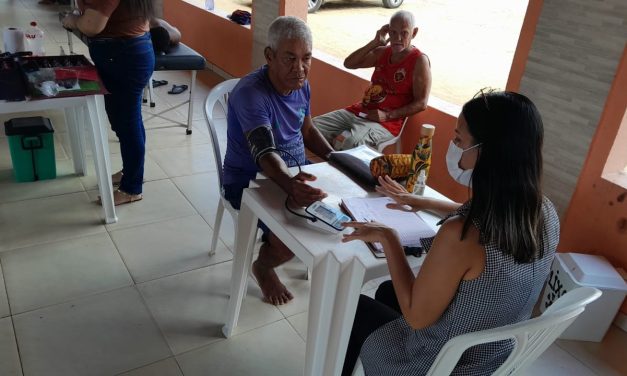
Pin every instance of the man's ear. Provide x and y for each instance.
(267, 53)
(413, 35)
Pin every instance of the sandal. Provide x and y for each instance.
(157, 83)
(177, 89)
(121, 198)
(116, 178)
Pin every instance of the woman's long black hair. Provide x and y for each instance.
(139, 8)
(506, 180)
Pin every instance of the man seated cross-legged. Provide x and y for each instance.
(399, 88)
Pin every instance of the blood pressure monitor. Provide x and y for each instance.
(326, 217)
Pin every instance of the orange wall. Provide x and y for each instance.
(596, 219)
(222, 42)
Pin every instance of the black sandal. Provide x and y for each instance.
(157, 83)
(177, 89)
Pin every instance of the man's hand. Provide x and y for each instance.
(69, 21)
(377, 115)
(381, 36)
(301, 193)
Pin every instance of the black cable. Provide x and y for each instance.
(311, 218)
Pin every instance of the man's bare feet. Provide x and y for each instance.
(274, 292)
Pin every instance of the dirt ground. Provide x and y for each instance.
(470, 43)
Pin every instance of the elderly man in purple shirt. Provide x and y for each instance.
(269, 125)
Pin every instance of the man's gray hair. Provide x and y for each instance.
(288, 27)
(406, 16)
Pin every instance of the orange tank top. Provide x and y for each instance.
(391, 87)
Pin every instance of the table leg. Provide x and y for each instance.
(190, 109)
(100, 151)
(349, 288)
(77, 139)
(245, 236)
(324, 283)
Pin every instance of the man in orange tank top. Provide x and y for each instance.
(399, 88)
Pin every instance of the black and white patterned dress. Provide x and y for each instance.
(503, 294)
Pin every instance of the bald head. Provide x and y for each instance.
(405, 17)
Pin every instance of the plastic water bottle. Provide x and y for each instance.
(421, 183)
(209, 5)
(35, 40)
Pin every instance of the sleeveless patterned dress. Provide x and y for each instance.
(505, 293)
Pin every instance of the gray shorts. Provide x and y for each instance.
(345, 130)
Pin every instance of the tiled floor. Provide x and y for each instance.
(142, 297)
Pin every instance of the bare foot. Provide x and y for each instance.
(274, 292)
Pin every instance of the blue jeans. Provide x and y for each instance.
(125, 65)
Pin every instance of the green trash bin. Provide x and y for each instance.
(32, 148)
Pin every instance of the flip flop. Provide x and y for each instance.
(177, 89)
(157, 83)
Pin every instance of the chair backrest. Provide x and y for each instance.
(219, 95)
(531, 337)
(395, 140)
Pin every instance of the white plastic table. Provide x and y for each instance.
(88, 110)
(339, 270)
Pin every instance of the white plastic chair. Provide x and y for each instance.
(532, 337)
(219, 95)
(395, 140)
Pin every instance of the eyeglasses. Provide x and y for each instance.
(483, 92)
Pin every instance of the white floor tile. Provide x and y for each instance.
(185, 160)
(4, 302)
(604, 358)
(103, 334)
(65, 182)
(299, 323)
(227, 227)
(274, 349)
(52, 273)
(557, 362)
(48, 219)
(190, 308)
(167, 367)
(159, 138)
(152, 171)
(162, 200)
(201, 190)
(168, 247)
(9, 357)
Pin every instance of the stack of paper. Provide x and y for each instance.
(409, 225)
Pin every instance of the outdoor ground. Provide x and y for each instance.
(470, 43)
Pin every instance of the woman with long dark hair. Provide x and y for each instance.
(486, 265)
(120, 46)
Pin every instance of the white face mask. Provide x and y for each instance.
(453, 157)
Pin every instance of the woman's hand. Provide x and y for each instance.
(369, 232)
(389, 187)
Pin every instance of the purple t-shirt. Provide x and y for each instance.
(254, 103)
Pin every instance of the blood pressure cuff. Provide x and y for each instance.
(260, 141)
